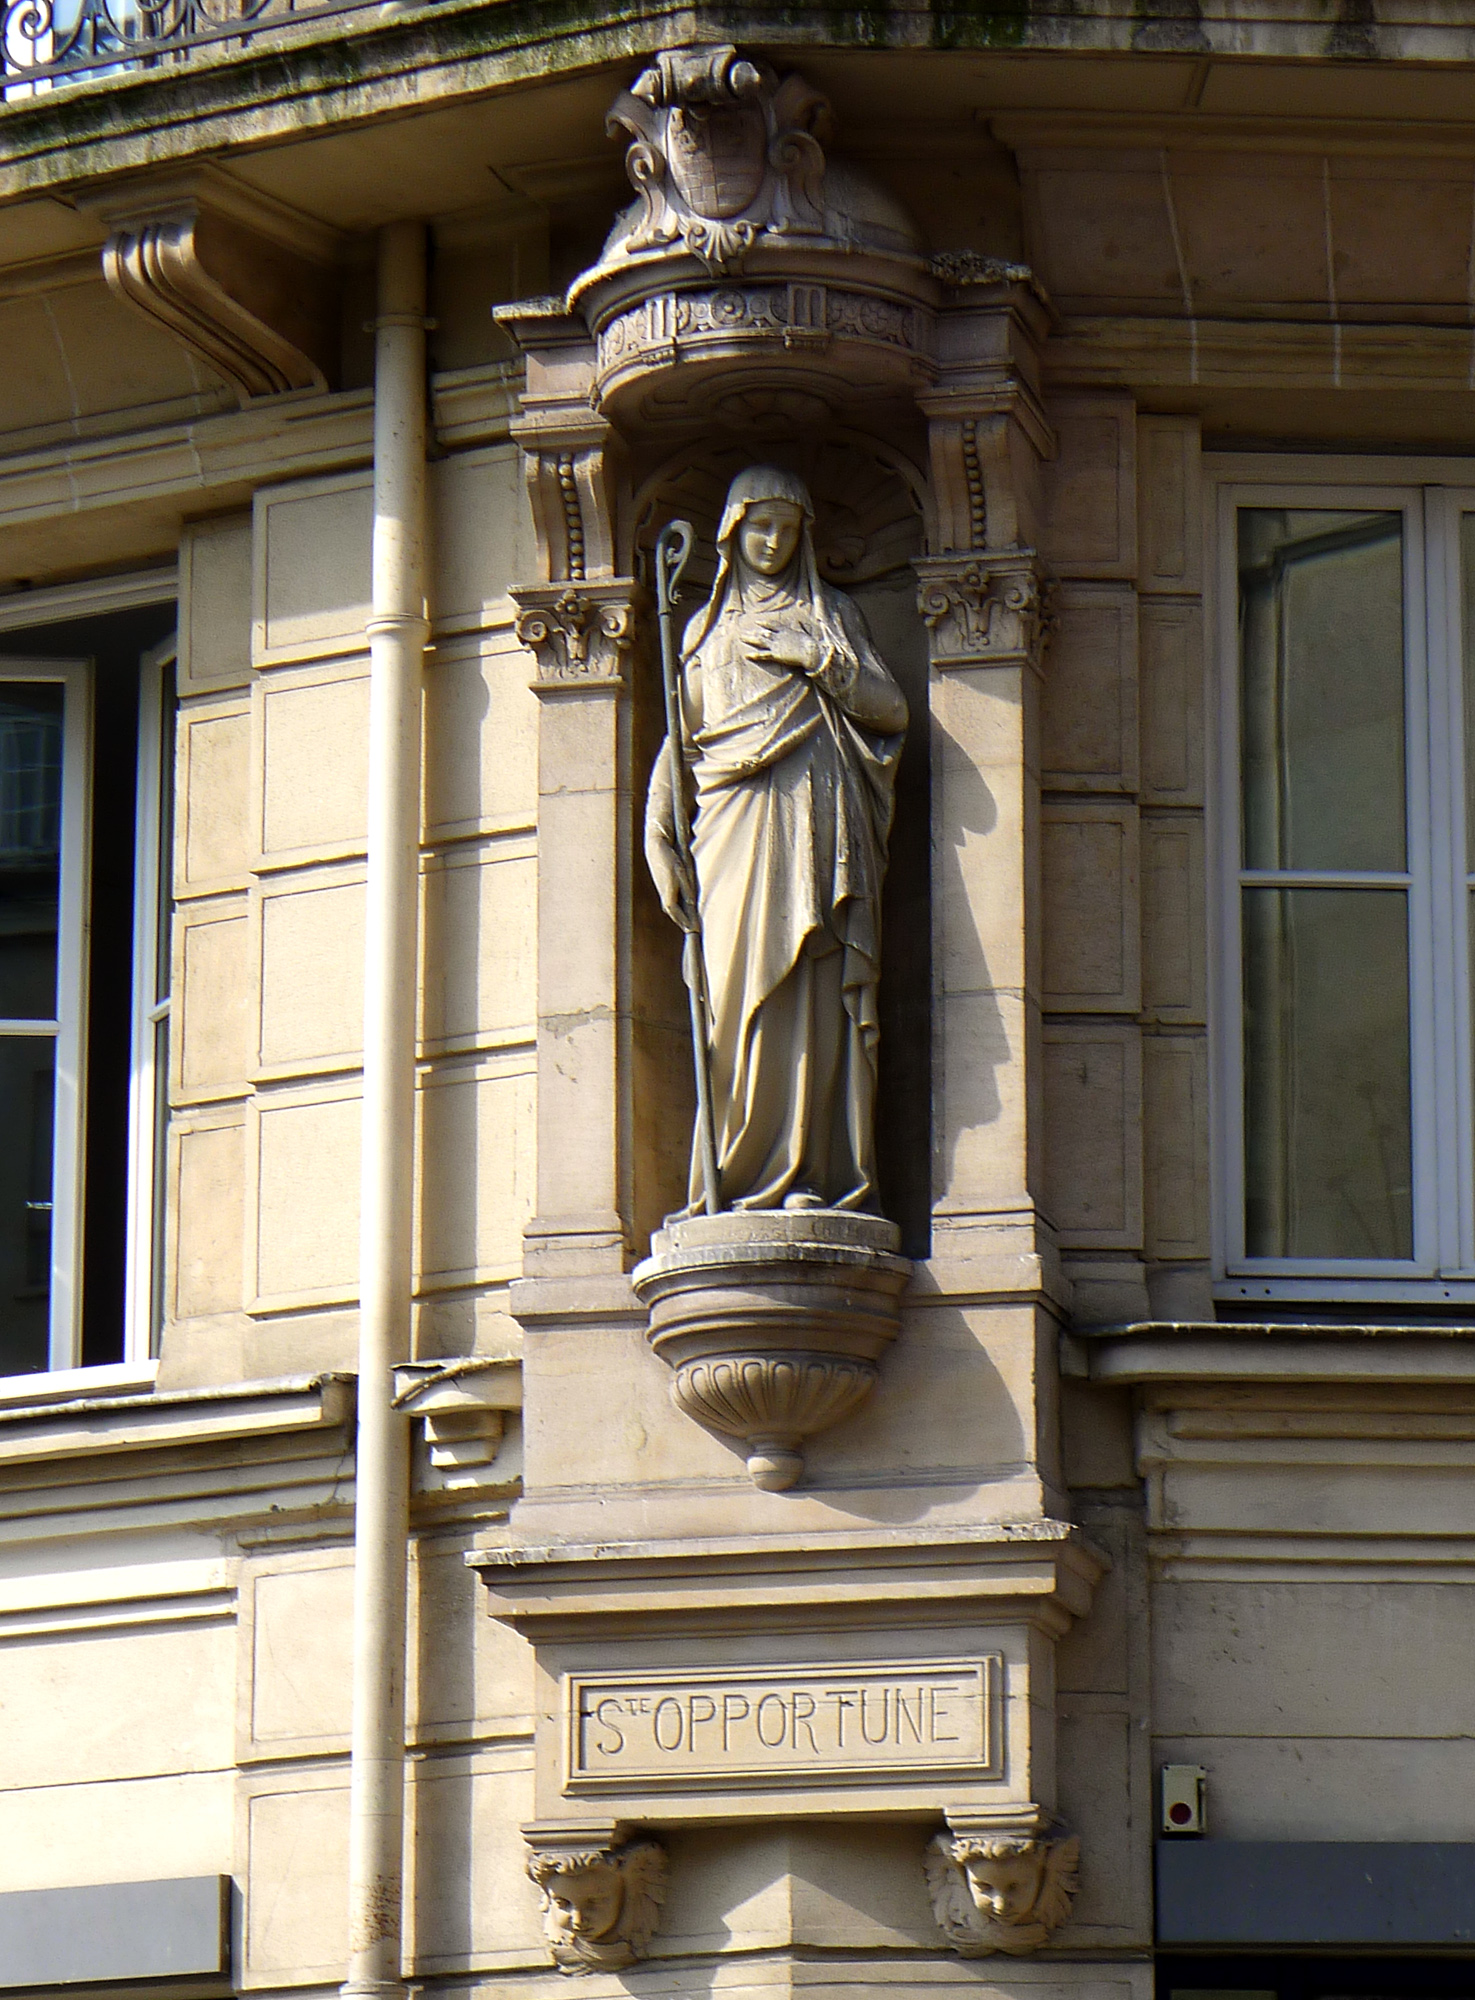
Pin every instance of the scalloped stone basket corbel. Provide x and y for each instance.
(775, 1322)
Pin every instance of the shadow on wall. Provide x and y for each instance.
(969, 814)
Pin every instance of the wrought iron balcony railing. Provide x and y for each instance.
(45, 43)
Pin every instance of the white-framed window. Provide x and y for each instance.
(1343, 810)
(85, 787)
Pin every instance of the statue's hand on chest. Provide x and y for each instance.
(785, 645)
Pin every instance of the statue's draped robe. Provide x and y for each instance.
(794, 801)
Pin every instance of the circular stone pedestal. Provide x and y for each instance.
(774, 1321)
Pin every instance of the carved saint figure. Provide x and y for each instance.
(1002, 1892)
(600, 1905)
(794, 728)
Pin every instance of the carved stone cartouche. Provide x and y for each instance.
(601, 1904)
(751, 260)
(722, 152)
(1001, 1891)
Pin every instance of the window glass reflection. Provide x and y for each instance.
(1322, 688)
(1328, 1131)
(30, 847)
(27, 1095)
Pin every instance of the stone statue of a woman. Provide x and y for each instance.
(794, 727)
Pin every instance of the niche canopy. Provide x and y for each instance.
(753, 278)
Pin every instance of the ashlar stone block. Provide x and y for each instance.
(1174, 936)
(1092, 925)
(1093, 1153)
(1170, 531)
(312, 733)
(1170, 634)
(310, 939)
(215, 604)
(214, 842)
(1091, 506)
(209, 1047)
(1175, 1129)
(1089, 705)
(311, 568)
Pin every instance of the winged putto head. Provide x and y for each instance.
(1001, 1892)
(601, 1905)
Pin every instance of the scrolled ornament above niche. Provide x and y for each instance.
(754, 263)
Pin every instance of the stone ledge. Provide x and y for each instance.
(1230, 1351)
(1045, 1570)
(89, 1426)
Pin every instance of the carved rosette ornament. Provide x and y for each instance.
(601, 1902)
(1001, 1890)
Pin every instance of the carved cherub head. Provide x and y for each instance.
(601, 1904)
(1001, 1892)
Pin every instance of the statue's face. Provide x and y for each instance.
(1006, 1889)
(769, 535)
(586, 1902)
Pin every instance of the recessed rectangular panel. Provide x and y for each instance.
(758, 1726)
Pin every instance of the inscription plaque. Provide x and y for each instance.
(774, 1725)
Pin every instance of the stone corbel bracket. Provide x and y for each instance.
(463, 1405)
(248, 286)
(602, 1893)
(1002, 1880)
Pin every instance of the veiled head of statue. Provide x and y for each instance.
(755, 485)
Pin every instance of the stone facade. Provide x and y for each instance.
(1062, 1492)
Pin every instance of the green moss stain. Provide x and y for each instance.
(981, 24)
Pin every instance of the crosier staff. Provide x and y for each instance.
(673, 551)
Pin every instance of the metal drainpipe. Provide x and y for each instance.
(398, 631)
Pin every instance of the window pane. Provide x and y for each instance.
(30, 847)
(1467, 623)
(1322, 688)
(1328, 1139)
(27, 1090)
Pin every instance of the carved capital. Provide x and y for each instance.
(1003, 1885)
(602, 1896)
(579, 633)
(245, 285)
(985, 609)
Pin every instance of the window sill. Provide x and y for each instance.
(1246, 1351)
(66, 1385)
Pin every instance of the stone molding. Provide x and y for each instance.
(602, 1894)
(245, 286)
(1002, 1882)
